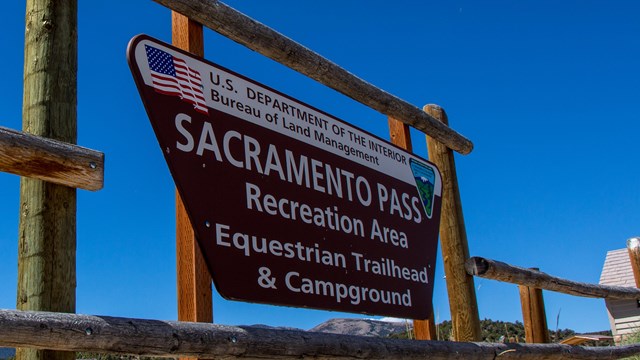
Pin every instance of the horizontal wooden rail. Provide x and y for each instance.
(51, 160)
(71, 332)
(500, 271)
(270, 43)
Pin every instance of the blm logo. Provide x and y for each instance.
(425, 178)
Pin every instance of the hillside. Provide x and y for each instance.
(263, 326)
(362, 327)
(492, 331)
(506, 331)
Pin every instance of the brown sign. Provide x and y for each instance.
(290, 205)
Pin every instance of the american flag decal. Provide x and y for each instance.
(172, 76)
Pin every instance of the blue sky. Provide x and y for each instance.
(548, 92)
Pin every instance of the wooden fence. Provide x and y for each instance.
(71, 332)
(532, 281)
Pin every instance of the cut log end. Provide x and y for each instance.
(476, 266)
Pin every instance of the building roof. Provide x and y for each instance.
(617, 269)
(580, 339)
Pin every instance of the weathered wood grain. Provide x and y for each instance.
(534, 315)
(71, 332)
(268, 42)
(496, 270)
(47, 223)
(50, 160)
(465, 319)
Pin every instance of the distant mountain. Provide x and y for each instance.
(492, 331)
(362, 327)
(6, 353)
(263, 326)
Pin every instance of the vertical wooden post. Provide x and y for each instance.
(401, 136)
(453, 239)
(633, 247)
(534, 315)
(47, 225)
(195, 301)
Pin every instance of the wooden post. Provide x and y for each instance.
(633, 247)
(453, 239)
(401, 136)
(195, 301)
(533, 314)
(47, 225)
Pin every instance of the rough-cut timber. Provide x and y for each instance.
(50, 160)
(71, 332)
(534, 315)
(268, 42)
(496, 270)
(465, 320)
(47, 223)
